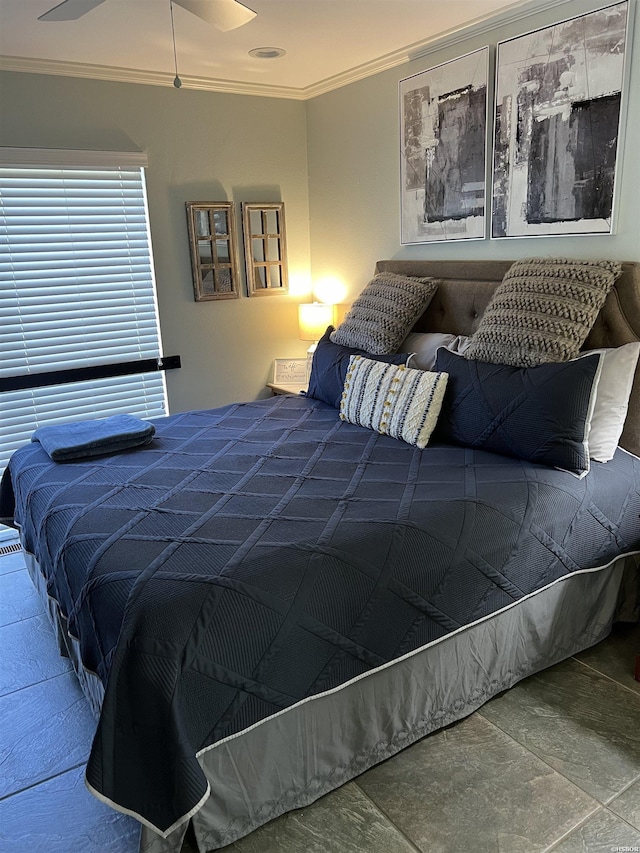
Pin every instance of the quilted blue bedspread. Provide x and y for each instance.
(254, 555)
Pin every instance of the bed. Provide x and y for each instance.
(267, 600)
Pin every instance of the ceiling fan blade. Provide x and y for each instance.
(70, 10)
(223, 14)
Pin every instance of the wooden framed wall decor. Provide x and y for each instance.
(557, 125)
(443, 145)
(265, 248)
(214, 250)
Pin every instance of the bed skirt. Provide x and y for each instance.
(292, 758)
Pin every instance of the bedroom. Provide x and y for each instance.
(317, 155)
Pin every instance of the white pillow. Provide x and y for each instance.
(392, 399)
(423, 347)
(612, 399)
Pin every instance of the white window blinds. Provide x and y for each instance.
(76, 289)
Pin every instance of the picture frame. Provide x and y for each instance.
(265, 247)
(213, 250)
(557, 124)
(443, 151)
(290, 371)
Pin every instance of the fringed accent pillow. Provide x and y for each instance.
(542, 311)
(392, 400)
(384, 313)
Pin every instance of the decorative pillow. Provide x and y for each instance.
(542, 311)
(395, 401)
(612, 399)
(384, 313)
(422, 347)
(538, 413)
(330, 365)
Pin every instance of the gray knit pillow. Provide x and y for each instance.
(542, 311)
(384, 313)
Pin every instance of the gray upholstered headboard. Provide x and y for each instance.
(467, 286)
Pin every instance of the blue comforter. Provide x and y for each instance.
(261, 553)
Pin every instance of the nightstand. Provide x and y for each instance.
(286, 388)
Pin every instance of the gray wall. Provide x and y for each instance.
(201, 146)
(334, 161)
(354, 173)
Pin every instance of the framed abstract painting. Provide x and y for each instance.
(557, 127)
(443, 131)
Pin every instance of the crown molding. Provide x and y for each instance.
(116, 74)
(518, 11)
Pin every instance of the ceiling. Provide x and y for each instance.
(328, 43)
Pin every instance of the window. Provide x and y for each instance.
(77, 288)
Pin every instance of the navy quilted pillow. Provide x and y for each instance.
(330, 365)
(540, 413)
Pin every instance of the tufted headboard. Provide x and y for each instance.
(467, 286)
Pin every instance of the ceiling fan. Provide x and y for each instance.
(222, 14)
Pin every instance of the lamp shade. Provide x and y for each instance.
(313, 319)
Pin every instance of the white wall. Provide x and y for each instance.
(201, 146)
(354, 173)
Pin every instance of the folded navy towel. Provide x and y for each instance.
(79, 439)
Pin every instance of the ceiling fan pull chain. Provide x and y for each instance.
(177, 82)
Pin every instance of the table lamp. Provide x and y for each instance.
(313, 319)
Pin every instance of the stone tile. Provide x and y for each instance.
(579, 722)
(18, 597)
(29, 654)
(616, 655)
(627, 805)
(343, 821)
(61, 816)
(471, 787)
(46, 729)
(602, 833)
(11, 562)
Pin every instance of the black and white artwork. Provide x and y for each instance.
(558, 95)
(443, 121)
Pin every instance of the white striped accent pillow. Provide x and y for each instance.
(392, 399)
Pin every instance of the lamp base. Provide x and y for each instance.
(310, 353)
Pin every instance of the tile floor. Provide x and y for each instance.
(551, 765)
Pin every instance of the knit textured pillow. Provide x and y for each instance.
(392, 400)
(384, 313)
(542, 311)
